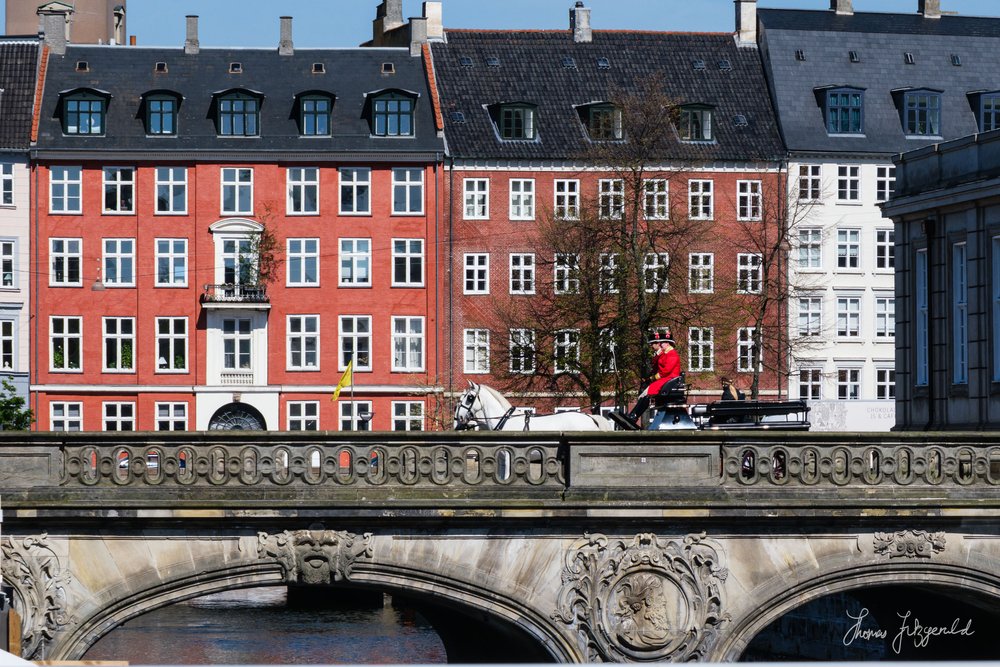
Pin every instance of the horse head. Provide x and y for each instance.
(465, 411)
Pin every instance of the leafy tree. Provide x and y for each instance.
(14, 415)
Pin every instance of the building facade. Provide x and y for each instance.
(220, 232)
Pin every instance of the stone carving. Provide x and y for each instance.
(644, 600)
(314, 556)
(909, 544)
(32, 568)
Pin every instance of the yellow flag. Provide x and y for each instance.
(345, 380)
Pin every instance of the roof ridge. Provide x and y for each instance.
(600, 32)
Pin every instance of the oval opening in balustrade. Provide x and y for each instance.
(473, 466)
(218, 473)
(408, 460)
(810, 465)
(249, 470)
(966, 461)
(314, 465)
(281, 471)
(88, 466)
(779, 465)
(873, 465)
(748, 464)
(994, 465)
(536, 465)
(376, 466)
(153, 469)
(345, 466)
(841, 472)
(505, 460)
(122, 463)
(440, 465)
(934, 466)
(185, 465)
(904, 466)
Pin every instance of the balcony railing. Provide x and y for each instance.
(236, 377)
(235, 293)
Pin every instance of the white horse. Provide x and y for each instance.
(485, 408)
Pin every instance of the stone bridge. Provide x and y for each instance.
(564, 547)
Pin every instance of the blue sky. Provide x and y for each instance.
(340, 23)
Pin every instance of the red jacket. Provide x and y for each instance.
(668, 366)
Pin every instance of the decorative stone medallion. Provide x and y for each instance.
(32, 568)
(909, 544)
(314, 556)
(644, 600)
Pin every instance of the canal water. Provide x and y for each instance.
(257, 626)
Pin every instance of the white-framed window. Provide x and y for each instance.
(477, 350)
(65, 190)
(119, 262)
(701, 272)
(303, 263)
(6, 184)
(522, 351)
(355, 415)
(750, 200)
(407, 344)
(522, 199)
(407, 262)
(848, 384)
(355, 263)
(477, 273)
(749, 273)
(8, 345)
(303, 342)
(119, 190)
(885, 180)
(810, 248)
(885, 384)
(848, 316)
(477, 198)
(303, 415)
(171, 262)
(745, 350)
(655, 266)
(522, 273)
(303, 191)
(355, 190)
(701, 349)
(849, 184)
(355, 332)
(959, 313)
(848, 248)
(119, 416)
(237, 344)
(66, 416)
(611, 198)
(407, 416)
(567, 199)
(885, 252)
(810, 384)
(567, 351)
(65, 343)
(566, 279)
(171, 344)
(171, 190)
(885, 317)
(119, 344)
(407, 191)
(237, 191)
(7, 260)
(171, 416)
(922, 349)
(609, 273)
(656, 199)
(66, 256)
(810, 183)
(810, 315)
(701, 203)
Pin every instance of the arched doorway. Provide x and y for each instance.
(237, 417)
(910, 621)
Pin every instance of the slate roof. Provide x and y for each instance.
(126, 73)
(880, 40)
(18, 69)
(531, 70)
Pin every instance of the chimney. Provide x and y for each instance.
(191, 45)
(746, 22)
(931, 9)
(388, 17)
(285, 47)
(842, 7)
(54, 26)
(435, 24)
(119, 24)
(579, 23)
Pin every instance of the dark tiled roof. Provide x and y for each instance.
(880, 40)
(18, 68)
(531, 70)
(127, 73)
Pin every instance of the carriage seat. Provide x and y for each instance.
(673, 392)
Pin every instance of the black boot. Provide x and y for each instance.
(639, 410)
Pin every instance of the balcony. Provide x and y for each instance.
(236, 295)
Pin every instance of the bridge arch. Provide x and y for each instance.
(778, 601)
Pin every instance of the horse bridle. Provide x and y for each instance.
(468, 400)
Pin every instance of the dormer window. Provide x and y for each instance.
(696, 123)
(845, 111)
(314, 114)
(83, 113)
(161, 113)
(921, 113)
(238, 114)
(603, 121)
(392, 115)
(515, 121)
(989, 112)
